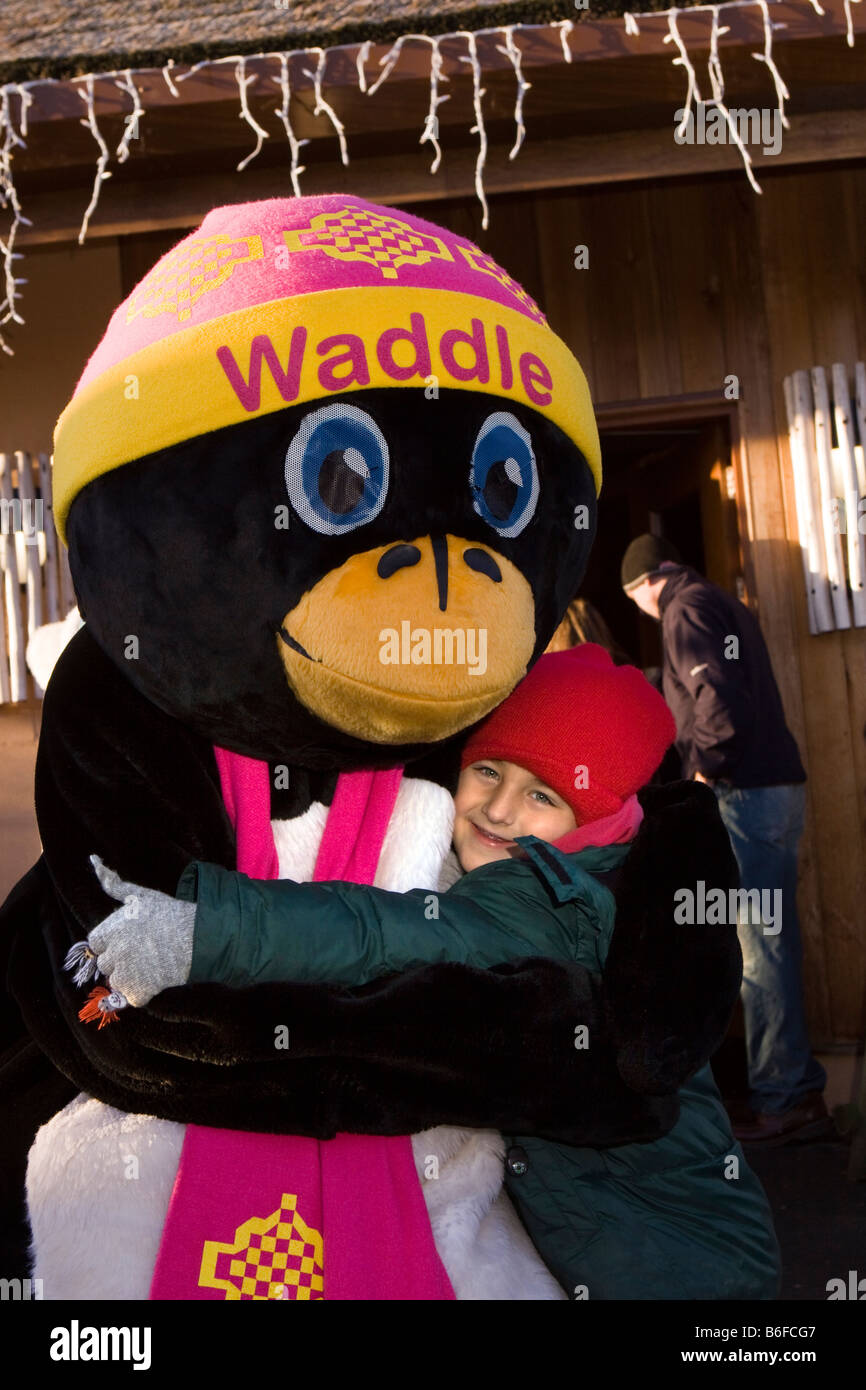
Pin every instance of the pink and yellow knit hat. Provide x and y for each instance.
(289, 300)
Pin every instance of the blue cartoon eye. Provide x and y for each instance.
(503, 476)
(337, 469)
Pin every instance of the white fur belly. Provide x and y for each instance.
(478, 1234)
(99, 1180)
(99, 1183)
(98, 1187)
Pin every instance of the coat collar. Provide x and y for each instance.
(571, 875)
(680, 577)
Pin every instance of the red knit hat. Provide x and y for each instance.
(592, 731)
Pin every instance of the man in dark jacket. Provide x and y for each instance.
(732, 734)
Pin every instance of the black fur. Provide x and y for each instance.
(663, 1034)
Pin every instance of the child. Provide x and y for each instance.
(546, 804)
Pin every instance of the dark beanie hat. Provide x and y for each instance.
(644, 556)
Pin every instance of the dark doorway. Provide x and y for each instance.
(675, 480)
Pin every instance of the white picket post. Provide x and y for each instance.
(856, 542)
(798, 469)
(53, 613)
(15, 641)
(67, 591)
(27, 497)
(817, 559)
(5, 689)
(860, 406)
(832, 537)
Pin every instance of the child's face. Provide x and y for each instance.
(497, 801)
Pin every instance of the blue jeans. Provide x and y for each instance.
(765, 825)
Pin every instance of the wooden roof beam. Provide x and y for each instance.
(620, 157)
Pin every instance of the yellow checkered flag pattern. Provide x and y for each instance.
(190, 271)
(277, 1256)
(356, 235)
(485, 265)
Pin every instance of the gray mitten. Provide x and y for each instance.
(146, 945)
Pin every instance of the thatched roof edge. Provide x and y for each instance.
(473, 17)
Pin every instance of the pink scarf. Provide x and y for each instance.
(274, 1216)
(616, 829)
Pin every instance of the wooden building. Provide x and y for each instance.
(688, 296)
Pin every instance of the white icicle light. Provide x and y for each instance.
(478, 128)
(849, 36)
(684, 61)
(714, 62)
(323, 106)
(283, 82)
(782, 93)
(125, 79)
(9, 198)
(513, 52)
(360, 60)
(244, 81)
(431, 125)
(102, 173)
(388, 60)
(130, 128)
(166, 72)
(26, 100)
(714, 68)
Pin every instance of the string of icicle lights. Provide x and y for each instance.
(12, 138)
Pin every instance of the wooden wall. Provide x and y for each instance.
(70, 295)
(689, 281)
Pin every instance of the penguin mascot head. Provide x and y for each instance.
(328, 483)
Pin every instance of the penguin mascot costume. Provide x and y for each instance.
(328, 484)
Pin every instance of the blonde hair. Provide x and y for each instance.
(584, 623)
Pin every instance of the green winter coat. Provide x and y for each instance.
(681, 1217)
